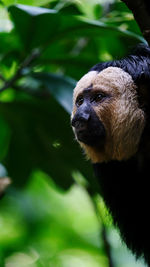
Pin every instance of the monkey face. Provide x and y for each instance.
(88, 128)
(106, 117)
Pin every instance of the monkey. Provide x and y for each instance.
(111, 123)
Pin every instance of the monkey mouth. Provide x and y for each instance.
(82, 135)
(87, 137)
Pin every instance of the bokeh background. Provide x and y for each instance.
(52, 214)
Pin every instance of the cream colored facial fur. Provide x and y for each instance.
(120, 114)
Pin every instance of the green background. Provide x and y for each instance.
(52, 214)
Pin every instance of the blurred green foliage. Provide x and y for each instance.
(48, 215)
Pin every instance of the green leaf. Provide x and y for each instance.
(67, 8)
(33, 10)
(35, 25)
(40, 26)
(5, 23)
(26, 2)
(98, 11)
(10, 50)
(97, 25)
(41, 139)
(59, 86)
(1, 2)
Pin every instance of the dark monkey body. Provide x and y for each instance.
(111, 121)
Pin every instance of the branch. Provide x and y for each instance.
(34, 54)
(141, 12)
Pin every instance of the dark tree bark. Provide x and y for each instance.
(141, 12)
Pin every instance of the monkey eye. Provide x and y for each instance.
(98, 97)
(79, 100)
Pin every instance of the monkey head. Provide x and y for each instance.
(106, 118)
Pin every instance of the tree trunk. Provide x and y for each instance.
(141, 12)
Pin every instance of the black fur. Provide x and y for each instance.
(125, 189)
(125, 185)
(137, 64)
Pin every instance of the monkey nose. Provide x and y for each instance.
(80, 120)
